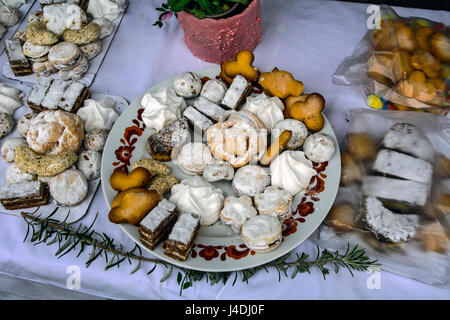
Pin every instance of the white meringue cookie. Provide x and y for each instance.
(269, 110)
(319, 147)
(292, 171)
(98, 114)
(214, 90)
(161, 108)
(10, 98)
(198, 196)
(59, 17)
(108, 9)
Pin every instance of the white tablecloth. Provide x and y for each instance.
(308, 38)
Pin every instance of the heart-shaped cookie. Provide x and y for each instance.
(138, 177)
(133, 206)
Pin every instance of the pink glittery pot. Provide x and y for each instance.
(219, 40)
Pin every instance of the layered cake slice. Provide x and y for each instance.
(162, 143)
(17, 60)
(386, 225)
(181, 238)
(210, 109)
(24, 195)
(197, 121)
(239, 89)
(53, 94)
(157, 223)
(403, 166)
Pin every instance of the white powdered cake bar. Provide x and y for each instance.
(409, 192)
(403, 166)
(50, 94)
(181, 238)
(157, 223)
(386, 225)
(239, 89)
(210, 109)
(161, 144)
(409, 139)
(81, 3)
(197, 120)
(24, 195)
(18, 62)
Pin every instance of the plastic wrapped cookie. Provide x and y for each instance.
(95, 139)
(89, 162)
(187, 85)
(319, 147)
(9, 147)
(6, 124)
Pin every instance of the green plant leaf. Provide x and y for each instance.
(204, 4)
(243, 2)
(178, 5)
(198, 13)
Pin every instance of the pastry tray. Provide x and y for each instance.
(75, 212)
(94, 64)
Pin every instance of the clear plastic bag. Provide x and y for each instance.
(394, 198)
(402, 65)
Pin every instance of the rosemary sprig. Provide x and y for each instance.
(50, 231)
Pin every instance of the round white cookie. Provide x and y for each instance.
(89, 162)
(95, 139)
(250, 180)
(9, 16)
(69, 187)
(319, 147)
(218, 170)
(9, 147)
(35, 51)
(187, 85)
(262, 233)
(214, 90)
(6, 124)
(298, 129)
(91, 50)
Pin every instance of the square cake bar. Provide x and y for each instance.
(18, 62)
(157, 224)
(239, 89)
(24, 195)
(50, 94)
(197, 120)
(181, 238)
(210, 109)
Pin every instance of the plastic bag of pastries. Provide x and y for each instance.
(403, 63)
(394, 195)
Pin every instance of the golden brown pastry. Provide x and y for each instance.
(422, 35)
(405, 37)
(241, 64)
(280, 83)
(401, 65)
(137, 178)
(440, 46)
(351, 172)
(417, 87)
(310, 111)
(276, 147)
(361, 146)
(425, 61)
(433, 237)
(342, 217)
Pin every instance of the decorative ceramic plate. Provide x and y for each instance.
(217, 248)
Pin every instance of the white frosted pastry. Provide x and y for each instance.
(275, 202)
(69, 187)
(24, 123)
(95, 139)
(250, 180)
(319, 147)
(59, 17)
(218, 170)
(35, 52)
(298, 129)
(262, 233)
(198, 196)
(98, 114)
(194, 157)
(236, 211)
(108, 9)
(10, 98)
(9, 16)
(9, 146)
(161, 108)
(89, 162)
(214, 90)
(106, 27)
(187, 85)
(269, 110)
(292, 171)
(15, 175)
(14, 3)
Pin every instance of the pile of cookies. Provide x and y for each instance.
(258, 131)
(57, 149)
(10, 14)
(62, 37)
